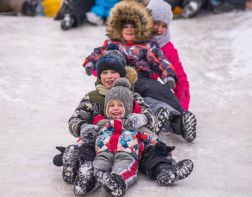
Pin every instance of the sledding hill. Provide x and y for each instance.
(42, 81)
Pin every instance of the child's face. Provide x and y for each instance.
(160, 28)
(115, 109)
(108, 77)
(128, 32)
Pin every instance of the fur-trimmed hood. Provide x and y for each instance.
(129, 11)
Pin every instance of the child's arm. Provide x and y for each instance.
(82, 115)
(146, 111)
(156, 57)
(94, 56)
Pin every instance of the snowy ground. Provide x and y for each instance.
(42, 81)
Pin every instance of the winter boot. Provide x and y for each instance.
(189, 124)
(162, 120)
(191, 8)
(168, 174)
(84, 181)
(112, 183)
(70, 163)
(183, 169)
(68, 22)
(94, 19)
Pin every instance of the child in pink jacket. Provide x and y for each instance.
(162, 16)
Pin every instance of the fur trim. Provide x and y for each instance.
(131, 75)
(129, 11)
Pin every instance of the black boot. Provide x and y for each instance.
(112, 183)
(167, 174)
(84, 181)
(189, 123)
(68, 22)
(163, 121)
(70, 163)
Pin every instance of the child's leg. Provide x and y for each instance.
(126, 166)
(123, 175)
(165, 170)
(84, 181)
(168, 119)
(152, 88)
(70, 161)
(163, 119)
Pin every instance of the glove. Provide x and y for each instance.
(135, 121)
(88, 133)
(57, 159)
(162, 149)
(170, 81)
(89, 67)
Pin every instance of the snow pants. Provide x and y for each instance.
(120, 163)
(151, 88)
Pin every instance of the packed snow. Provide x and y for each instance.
(42, 81)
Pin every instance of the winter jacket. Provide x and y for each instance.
(102, 7)
(182, 86)
(93, 104)
(114, 138)
(145, 57)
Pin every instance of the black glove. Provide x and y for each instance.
(89, 67)
(162, 149)
(57, 159)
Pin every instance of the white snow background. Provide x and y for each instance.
(42, 82)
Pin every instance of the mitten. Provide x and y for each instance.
(162, 149)
(88, 132)
(135, 121)
(57, 159)
(89, 67)
(170, 81)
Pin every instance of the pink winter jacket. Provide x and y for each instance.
(182, 86)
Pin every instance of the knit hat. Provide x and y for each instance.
(121, 91)
(111, 60)
(161, 11)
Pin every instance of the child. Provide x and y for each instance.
(129, 28)
(100, 11)
(162, 16)
(73, 13)
(119, 147)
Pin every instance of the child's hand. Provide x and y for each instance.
(89, 68)
(135, 121)
(89, 132)
(170, 81)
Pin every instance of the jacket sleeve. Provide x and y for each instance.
(182, 89)
(82, 115)
(95, 55)
(149, 139)
(160, 62)
(146, 111)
